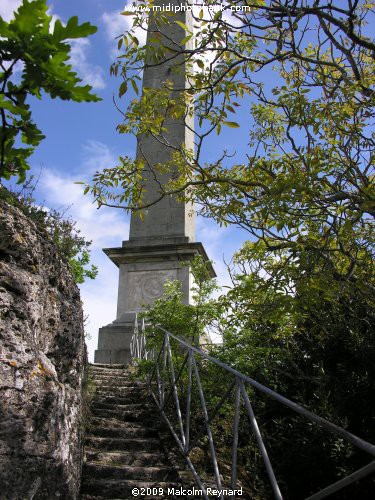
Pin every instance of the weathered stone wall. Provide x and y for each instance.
(42, 362)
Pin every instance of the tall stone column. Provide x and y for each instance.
(164, 238)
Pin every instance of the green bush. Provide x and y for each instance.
(73, 247)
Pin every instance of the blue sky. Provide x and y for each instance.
(82, 138)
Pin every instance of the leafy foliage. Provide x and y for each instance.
(316, 352)
(73, 247)
(34, 55)
(172, 311)
(297, 329)
(307, 185)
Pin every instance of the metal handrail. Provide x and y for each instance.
(163, 365)
(138, 342)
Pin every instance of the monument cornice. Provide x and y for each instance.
(132, 252)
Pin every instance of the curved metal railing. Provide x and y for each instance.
(164, 375)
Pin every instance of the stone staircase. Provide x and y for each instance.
(125, 441)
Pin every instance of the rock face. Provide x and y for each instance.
(42, 363)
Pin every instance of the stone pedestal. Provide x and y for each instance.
(114, 343)
(144, 268)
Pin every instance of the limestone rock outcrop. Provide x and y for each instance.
(42, 364)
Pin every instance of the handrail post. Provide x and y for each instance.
(208, 428)
(188, 404)
(174, 387)
(164, 369)
(262, 448)
(236, 420)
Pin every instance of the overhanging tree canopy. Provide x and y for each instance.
(307, 182)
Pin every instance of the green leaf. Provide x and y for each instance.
(135, 86)
(231, 124)
(134, 39)
(185, 40)
(182, 25)
(123, 88)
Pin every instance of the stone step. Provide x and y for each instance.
(118, 386)
(133, 394)
(107, 367)
(136, 473)
(120, 407)
(119, 400)
(125, 458)
(109, 383)
(122, 415)
(110, 378)
(123, 432)
(110, 373)
(125, 444)
(114, 488)
(114, 423)
(122, 392)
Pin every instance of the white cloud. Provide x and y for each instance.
(7, 8)
(91, 74)
(215, 241)
(116, 24)
(104, 226)
(97, 156)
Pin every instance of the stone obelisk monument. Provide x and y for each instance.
(164, 239)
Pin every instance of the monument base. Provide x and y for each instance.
(114, 344)
(145, 265)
